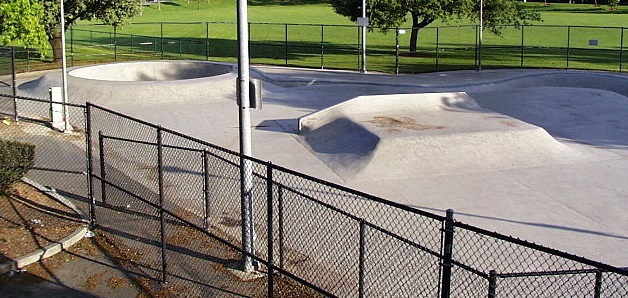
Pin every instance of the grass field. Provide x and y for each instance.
(193, 30)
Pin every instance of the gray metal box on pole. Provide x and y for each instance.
(255, 93)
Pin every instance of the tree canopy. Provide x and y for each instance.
(110, 12)
(36, 23)
(387, 14)
(20, 21)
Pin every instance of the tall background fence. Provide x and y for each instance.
(339, 46)
(175, 201)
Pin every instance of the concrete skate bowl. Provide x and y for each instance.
(156, 81)
(412, 135)
(581, 107)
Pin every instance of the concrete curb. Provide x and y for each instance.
(53, 248)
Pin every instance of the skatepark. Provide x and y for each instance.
(541, 155)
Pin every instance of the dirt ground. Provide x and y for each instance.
(99, 266)
(30, 221)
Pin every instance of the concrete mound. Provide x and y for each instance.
(393, 136)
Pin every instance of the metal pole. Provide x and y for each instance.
(359, 40)
(13, 75)
(447, 253)
(322, 46)
(568, 44)
(361, 259)
(269, 219)
(246, 166)
(363, 68)
(597, 291)
(89, 170)
(206, 188)
(206, 40)
(621, 50)
(492, 284)
(115, 43)
(397, 51)
(286, 42)
(522, 43)
(437, 48)
(161, 40)
(162, 220)
(64, 77)
(72, 46)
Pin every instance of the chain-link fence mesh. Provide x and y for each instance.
(60, 162)
(339, 241)
(340, 47)
(174, 205)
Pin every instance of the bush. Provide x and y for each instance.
(16, 158)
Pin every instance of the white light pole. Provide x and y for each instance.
(246, 165)
(363, 24)
(64, 76)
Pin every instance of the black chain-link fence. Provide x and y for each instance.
(340, 46)
(20, 60)
(336, 240)
(60, 162)
(174, 204)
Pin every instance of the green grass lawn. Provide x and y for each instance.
(206, 30)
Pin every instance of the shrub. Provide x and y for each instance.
(16, 158)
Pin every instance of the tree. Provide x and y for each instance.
(20, 21)
(387, 14)
(110, 12)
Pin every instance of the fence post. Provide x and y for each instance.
(206, 41)
(286, 42)
(206, 188)
(448, 242)
(522, 44)
(396, 50)
(270, 240)
(361, 259)
(115, 43)
(475, 59)
(103, 178)
(568, 44)
(437, 48)
(359, 45)
(322, 45)
(89, 170)
(598, 284)
(14, 83)
(621, 50)
(161, 38)
(162, 224)
(480, 48)
(492, 284)
(281, 227)
(72, 46)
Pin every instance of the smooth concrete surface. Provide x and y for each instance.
(538, 154)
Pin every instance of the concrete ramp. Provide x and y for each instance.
(393, 136)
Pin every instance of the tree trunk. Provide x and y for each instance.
(55, 41)
(414, 36)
